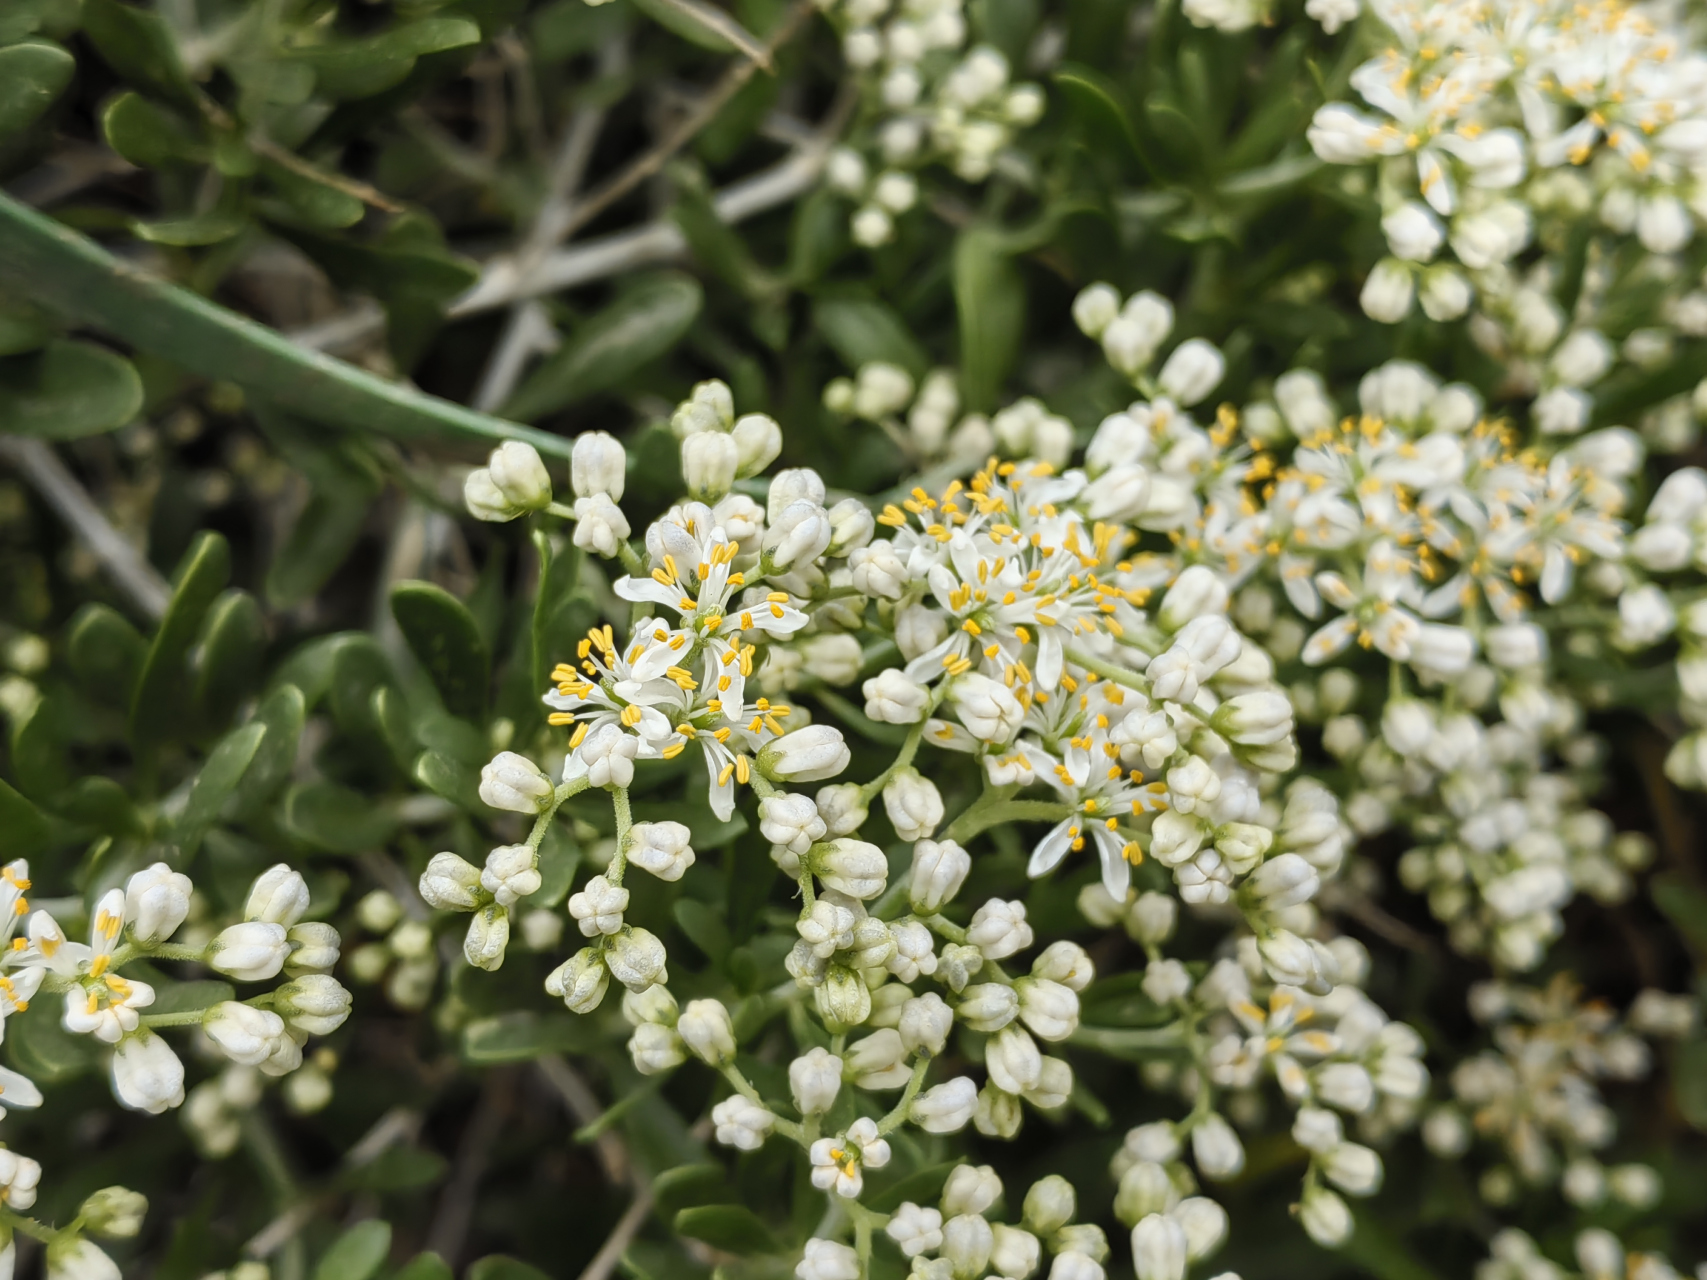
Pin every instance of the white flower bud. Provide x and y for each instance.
(915, 1229)
(1130, 340)
(655, 1047)
(450, 883)
(314, 948)
(1066, 963)
(970, 1189)
(710, 407)
(1095, 309)
(805, 755)
(913, 804)
(986, 707)
(1050, 1204)
(988, 1007)
(250, 952)
(1166, 981)
(1158, 1248)
(1284, 882)
(758, 440)
(1193, 370)
(1204, 1223)
(660, 848)
(967, 1242)
(709, 462)
(851, 527)
(1048, 1008)
(1217, 1149)
(797, 535)
(1325, 1217)
(73, 1258)
(597, 909)
(113, 1212)
(853, 867)
(834, 658)
(510, 874)
(998, 1114)
(278, 896)
(1151, 919)
(947, 1107)
(635, 958)
(580, 981)
(878, 571)
(815, 1078)
(156, 900)
(1016, 1253)
(1073, 1265)
(891, 698)
(487, 937)
(998, 929)
(597, 465)
(842, 807)
(1345, 1085)
(315, 1004)
(1354, 1169)
(790, 822)
(244, 1034)
(1013, 1061)
(705, 1027)
(513, 782)
(1388, 291)
(741, 1123)
(925, 1023)
(146, 1074)
(1413, 232)
(519, 474)
(600, 526)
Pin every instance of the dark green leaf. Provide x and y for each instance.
(922, 1187)
(44, 1050)
(339, 503)
(614, 345)
(361, 68)
(356, 1254)
(398, 1169)
(32, 75)
(229, 662)
(989, 297)
(1097, 106)
(214, 784)
(424, 1266)
(499, 1267)
(658, 1260)
(733, 1228)
(1689, 1082)
(446, 640)
(23, 328)
(559, 856)
(455, 781)
(138, 45)
(38, 752)
(319, 203)
(149, 135)
(67, 390)
(1686, 907)
(685, 25)
(156, 711)
(102, 804)
(182, 997)
(863, 330)
(523, 1035)
(335, 818)
(358, 670)
(692, 1184)
(19, 18)
(24, 832)
(189, 233)
(704, 927)
(105, 652)
(283, 711)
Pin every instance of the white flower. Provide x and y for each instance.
(1158, 1248)
(250, 952)
(1216, 1148)
(661, 848)
(246, 1035)
(598, 907)
(510, 874)
(891, 698)
(1095, 308)
(1166, 981)
(19, 1177)
(913, 804)
(513, 782)
(741, 1123)
(1388, 291)
(986, 707)
(146, 1074)
(998, 929)
(450, 883)
(925, 1023)
(709, 462)
(278, 896)
(704, 1025)
(915, 1229)
(156, 901)
(806, 755)
(1413, 232)
(947, 1107)
(827, 1260)
(1193, 370)
(815, 1078)
(597, 465)
(838, 1163)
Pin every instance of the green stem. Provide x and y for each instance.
(981, 817)
(617, 1110)
(631, 560)
(898, 1115)
(29, 1226)
(787, 1128)
(909, 748)
(624, 821)
(52, 264)
(1131, 1040)
(945, 927)
(1107, 670)
(186, 1018)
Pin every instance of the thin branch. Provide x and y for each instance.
(643, 167)
(584, 1106)
(456, 1205)
(605, 1260)
(135, 578)
(719, 21)
(528, 332)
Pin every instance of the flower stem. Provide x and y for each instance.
(898, 1115)
(624, 821)
(1107, 670)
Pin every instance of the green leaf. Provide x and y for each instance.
(216, 781)
(149, 135)
(67, 390)
(24, 832)
(1689, 1082)
(733, 1228)
(1096, 104)
(335, 818)
(692, 1184)
(989, 297)
(162, 689)
(455, 781)
(424, 1266)
(38, 752)
(32, 75)
(863, 330)
(100, 803)
(704, 927)
(19, 18)
(661, 1260)
(361, 68)
(356, 1254)
(617, 343)
(1685, 906)
(182, 997)
(283, 711)
(319, 203)
(139, 46)
(559, 857)
(523, 1035)
(229, 662)
(693, 29)
(189, 233)
(38, 1046)
(921, 1186)
(105, 652)
(446, 641)
(398, 1169)
(23, 328)
(340, 500)
(359, 669)
(498, 1266)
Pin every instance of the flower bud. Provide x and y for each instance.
(879, 1061)
(660, 848)
(1325, 1217)
(513, 782)
(878, 571)
(597, 465)
(758, 440)
(1284, 882)
(1048, 1008)
(600, 526)
(1150, 920)
(851, 526)
(1353, 1168)
(511, 874)
(925, 1023)
(842, 807)
(156, 900)
(988, 1007)
(1016, 1254)
(635, 958)
(519, 474)
(314, 947)
(986, 707)
(1095, 309)
(814, 1078)
(798, 535)
(998, 929)
(1345, 1085)
(146, 1074)
(834, 658)
(939, 869)
(113, 1212)
(279, 896)
(945, 1108)
(250, 952)
(450, 883)
(579, 981)
(74, 1258)
(1217, 1149)
(315, 1004)
(741, 1123)
(709, 462)
(1145, 1188)
(705, 1027)
(967, 1242)
(853, 867)
(710, 407)
(655, 1047)
(998, 1114)
(915, 1229)
(1388, 291)
(1193, 370)
(791, 823)
(957, 964)
(484, 500)
(843, 999)
(244, 1034)
(488, 935)
(913, 804)
(1065, 962)
(1204, 1223)
(806, 755)
(598, 907)
(1070, 1264)
(1158, 1248)
(1013, 1061)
